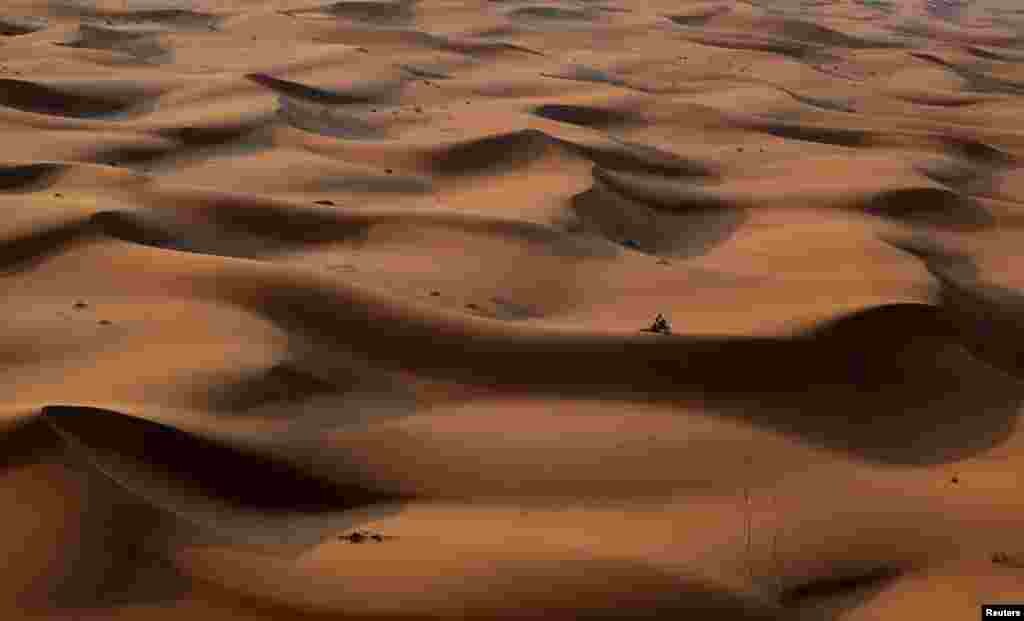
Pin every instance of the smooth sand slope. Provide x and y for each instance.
(340, 310)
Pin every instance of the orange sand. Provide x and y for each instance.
(275, 272)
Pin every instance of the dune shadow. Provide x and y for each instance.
(797, 50)
(940, 100)
(186, 143)
(1001, 55)
(377, 12)
(30, 177)
(224, 231)
(959, 174)
(585, 116)
(888, 384)
(976, 80)
(548, 15)
(633, 157)
(94, 101)
(170, 17)
(976, 151)
(137, 227)
(233, 227)
(141, 42)
(16, 25)
(684, 231)
(493, 153)
(583, 73)
(829, 104)
(803, 30)
(133, 156)
(988, 317)
(118, 553)
(279, 491)
(835, 136)
(928, 206)
(314, 390)
(215, 134)
(427, 73)
(666, 193)
(123, 553)
(259, 482)
(282, 383)
(24, 252)
(699, 17)
(365, 93)
(854, 589)
(327, 121)
(28, 442)
(474, 46)
(514, 149)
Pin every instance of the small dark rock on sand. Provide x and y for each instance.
(79, 306)
(359, 536)
(1007, 560)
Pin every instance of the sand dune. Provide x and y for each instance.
(347, 309)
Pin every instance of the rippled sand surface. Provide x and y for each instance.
(343, 310)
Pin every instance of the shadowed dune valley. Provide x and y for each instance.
(511, 309)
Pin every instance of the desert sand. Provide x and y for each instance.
(344, 310)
